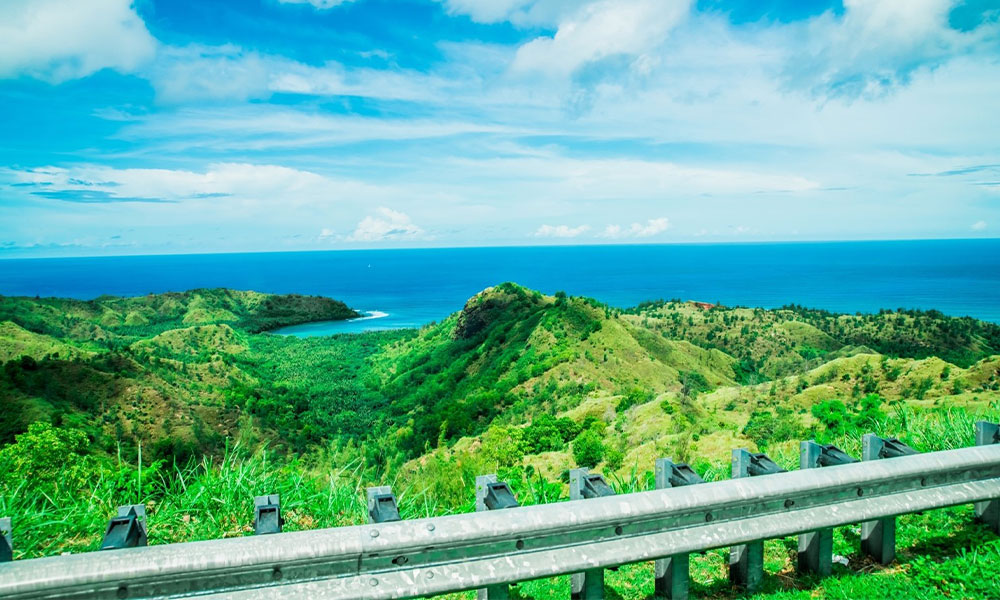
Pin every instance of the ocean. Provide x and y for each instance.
(409, 288)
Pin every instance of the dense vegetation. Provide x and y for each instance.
(517, 382)
(62, 494)
(155, 368)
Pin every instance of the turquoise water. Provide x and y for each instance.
(414, 287)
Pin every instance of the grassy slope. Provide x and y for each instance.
(780, 342)
(512, 353)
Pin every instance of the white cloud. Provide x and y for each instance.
(561, 231)
(385, 225)
(519, 12)
(242, 181)
(58, 40)
(600, 30)
(979, 226)
(319, 4)
(548, 174)
(876, 46)
(637, 230)
(197, 72)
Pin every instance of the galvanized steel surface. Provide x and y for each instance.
(407, 559)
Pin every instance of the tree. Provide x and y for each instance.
(588, 449)
(833, 415)
(504, 445)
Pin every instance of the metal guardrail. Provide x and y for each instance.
(490, 548)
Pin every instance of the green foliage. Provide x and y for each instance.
(44, 455)
(546, 433)
(634, 397)
(833, 415)
(765, 427)
(113, 322)
(693, 383)
(837, 419)
(588, 448)
(504, 446)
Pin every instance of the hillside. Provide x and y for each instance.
(185, 372)
(152, 369)
(779, 342)
(115, 321)
(512, 353)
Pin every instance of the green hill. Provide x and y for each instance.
(109, 320)
(184, 372)
(153, 369)
(512, 353)
(779, 342)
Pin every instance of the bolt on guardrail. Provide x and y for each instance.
(816, 548)
(494, 495)
(746, 562)
(671, 576)
(584, 485)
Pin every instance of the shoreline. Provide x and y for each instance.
(368, 315)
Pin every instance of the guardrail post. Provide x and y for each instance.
(746, 562)
(127, 529)
(267, 514)
(988, 512)
(878, 538)
(672, 575)
(382, 505)
(588, 585)
(816, 547)
(6, 541)
(493, 495)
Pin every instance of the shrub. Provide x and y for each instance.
(547, 433)
(634, 397)
(693, 383)
(588, 449)
(765, 427)
(45, 454)
(504, 445)
(833, 416)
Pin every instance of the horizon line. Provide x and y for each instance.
(506, 246)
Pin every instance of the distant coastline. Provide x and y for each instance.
(416, 287)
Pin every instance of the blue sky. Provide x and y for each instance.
(175, 126)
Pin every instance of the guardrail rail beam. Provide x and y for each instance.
(988, 512)
(440, 555)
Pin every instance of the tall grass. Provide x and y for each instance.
(212, 499)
